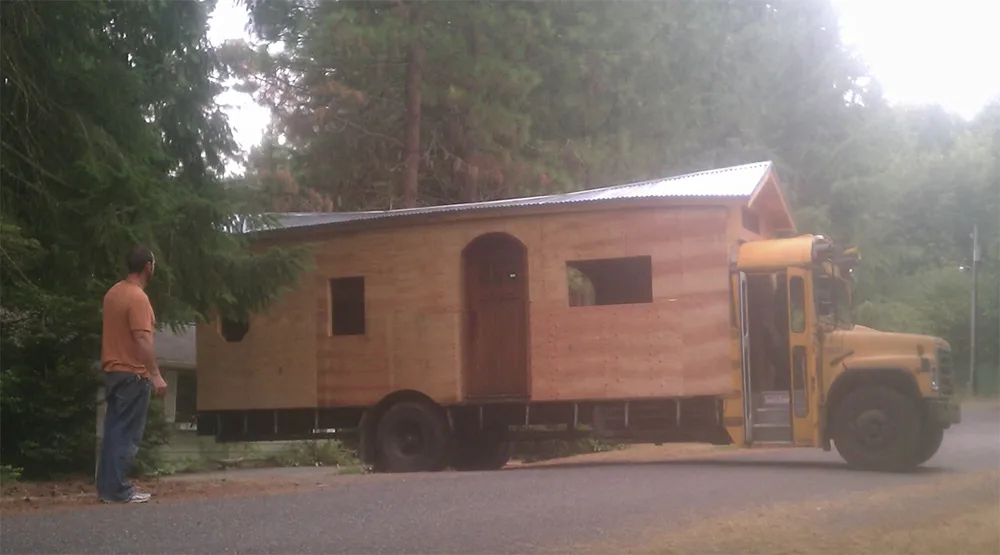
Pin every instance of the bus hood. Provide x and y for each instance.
(862, 347)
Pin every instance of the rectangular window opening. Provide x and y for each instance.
(799, 381)
(347, 306)
(797, 304)
(610, 281)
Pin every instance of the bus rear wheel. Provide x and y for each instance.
(412, 436)
(482, 450)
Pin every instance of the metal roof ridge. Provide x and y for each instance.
(567, 197)
(764, 163)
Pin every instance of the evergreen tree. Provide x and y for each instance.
(110, 137)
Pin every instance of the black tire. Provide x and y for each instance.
(486, 450)
(412, 437)
(878, 428)
(930, 442)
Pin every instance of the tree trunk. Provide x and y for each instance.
(414, 77)
(466, 147)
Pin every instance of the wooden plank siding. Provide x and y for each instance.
(273, 367)
(678, 345)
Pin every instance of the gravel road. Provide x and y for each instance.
(517, 510)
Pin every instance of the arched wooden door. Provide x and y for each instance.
(496, 317)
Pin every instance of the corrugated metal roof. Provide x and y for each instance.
(736, 181)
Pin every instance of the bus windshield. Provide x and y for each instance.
(833, 300)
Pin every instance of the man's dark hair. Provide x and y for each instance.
(137, 258)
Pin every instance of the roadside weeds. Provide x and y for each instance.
(80, 493)
(952, 515)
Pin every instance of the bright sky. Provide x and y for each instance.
(919, 50)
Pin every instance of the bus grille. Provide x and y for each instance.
(946, 372)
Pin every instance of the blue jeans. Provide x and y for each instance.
(127, 397)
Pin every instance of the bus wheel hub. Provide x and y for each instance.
(872, 428)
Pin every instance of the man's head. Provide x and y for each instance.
(140, 263)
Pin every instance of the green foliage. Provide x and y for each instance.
(581, 95)
(534, 451)
(10, 474)
(110, 137)
(915, 232)
(48, 402)
(344, 128)
(318, 453)
(156, 436)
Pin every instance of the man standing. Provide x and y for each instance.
(130, 373)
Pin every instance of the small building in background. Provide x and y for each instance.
(176, 355)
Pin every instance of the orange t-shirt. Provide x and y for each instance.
(126, 308)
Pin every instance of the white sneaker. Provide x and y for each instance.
(137, 497)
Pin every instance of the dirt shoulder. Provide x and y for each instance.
(954, 515)
(79, 492)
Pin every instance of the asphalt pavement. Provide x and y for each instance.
(516, 510)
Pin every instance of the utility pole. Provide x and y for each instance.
(972, 320)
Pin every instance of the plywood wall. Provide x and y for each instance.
(274, 366)
(677, 345)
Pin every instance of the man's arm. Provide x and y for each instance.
(144, 339)
(140, 320)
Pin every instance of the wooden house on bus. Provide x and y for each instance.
(428, 324)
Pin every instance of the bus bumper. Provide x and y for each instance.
(944, 411)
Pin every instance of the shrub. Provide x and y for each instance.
(48, 404)
(148, 461)
(9, 474)
(533, 451)
(318, 453)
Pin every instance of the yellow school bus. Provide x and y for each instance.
(884, 399)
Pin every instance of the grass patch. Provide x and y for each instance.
(318, 453)
(535, 451)
(9, 475)
(970, 531)
(973, 531)
(953, 515)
